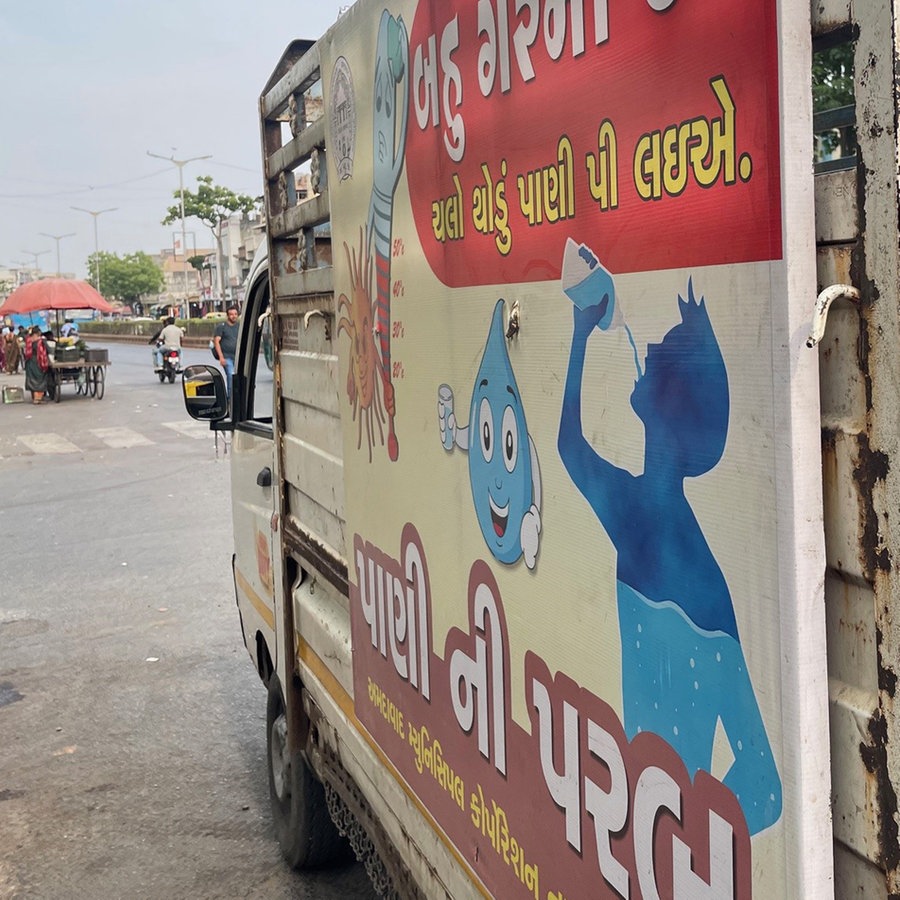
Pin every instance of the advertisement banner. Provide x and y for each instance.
(560, 280)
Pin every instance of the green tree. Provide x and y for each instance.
(199, 264)
(127, 278)
(212, 204)
(832, 83)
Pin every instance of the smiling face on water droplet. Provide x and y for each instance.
(499, 454)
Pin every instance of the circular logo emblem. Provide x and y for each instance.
(342, 112)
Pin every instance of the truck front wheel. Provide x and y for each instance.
(307, 836)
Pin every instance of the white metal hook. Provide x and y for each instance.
(823, 302)
(310, 314)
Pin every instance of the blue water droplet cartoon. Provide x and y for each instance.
(504, 475)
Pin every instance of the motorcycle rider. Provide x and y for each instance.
(169, 336)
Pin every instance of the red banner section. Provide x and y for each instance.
(646, 129)
(567, 808)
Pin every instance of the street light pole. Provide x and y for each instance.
(35, 255)
(180, 164)
(96, 213)
(57, 238)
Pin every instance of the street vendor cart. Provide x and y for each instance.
(88, 374)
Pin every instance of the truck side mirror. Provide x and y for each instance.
(205, 395)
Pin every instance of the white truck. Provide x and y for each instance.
(566, 519)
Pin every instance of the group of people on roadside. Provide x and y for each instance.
(29, 349)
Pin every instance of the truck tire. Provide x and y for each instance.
(306, 834)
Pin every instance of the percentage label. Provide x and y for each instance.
(398, 370)
(398, 247)
(398, 330)
(398, 288)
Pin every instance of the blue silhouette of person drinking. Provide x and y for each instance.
(683, 668)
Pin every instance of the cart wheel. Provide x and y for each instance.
(55, 390)
(99, 381)
(91, 382)
(81, 386)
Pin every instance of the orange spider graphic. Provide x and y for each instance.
(365, 373)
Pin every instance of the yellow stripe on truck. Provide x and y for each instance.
(266, 612)
(333, 687)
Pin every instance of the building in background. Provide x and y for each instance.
(184, 284)
(240, 235)
(12, 276)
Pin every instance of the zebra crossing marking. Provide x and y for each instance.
(116, 438)
(121, 438)
(189, 428)
(48, 443)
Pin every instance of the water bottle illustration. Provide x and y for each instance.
(588, 283)
(446, 418)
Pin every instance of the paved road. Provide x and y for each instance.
(132, 746)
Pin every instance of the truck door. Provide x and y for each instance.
(253, 481)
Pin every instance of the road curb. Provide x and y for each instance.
(186, 341)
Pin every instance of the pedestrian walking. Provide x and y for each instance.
(37, 365)
(225, 340)
(10, 352)
(22, 336)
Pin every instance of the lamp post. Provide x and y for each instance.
(180, 164)
(35, 255)
(96, 213)
(57, 238)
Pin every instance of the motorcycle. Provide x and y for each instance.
(171, 364)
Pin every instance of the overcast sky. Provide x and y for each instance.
(88, 88)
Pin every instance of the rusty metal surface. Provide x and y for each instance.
(829, 15)
(833, 264)
(305, 546)
(857, 233)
